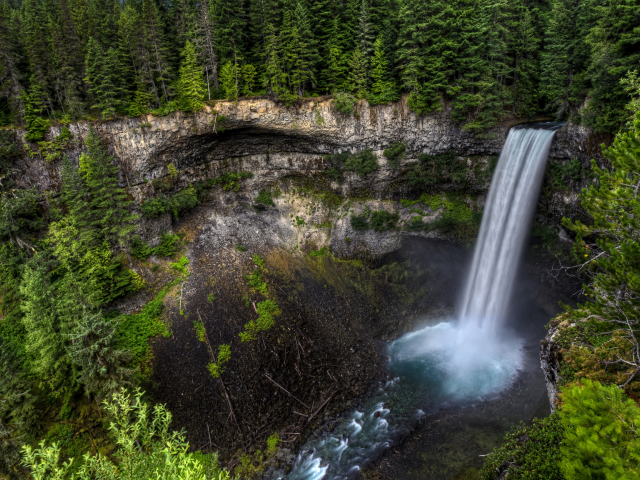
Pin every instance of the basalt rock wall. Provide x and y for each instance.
(275, 141)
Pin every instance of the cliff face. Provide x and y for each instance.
(266, 137)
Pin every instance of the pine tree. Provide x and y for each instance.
(45, 330)
(11, 77)
(382, 90)
(33, 107)
(104, 215)
(365, 36)
(206, 44)
(154, 56)
(302, 21)
(190, 85)
(294, 59)
(103, 77)
(275, 78)
(526, 43)
(231, 21)
(103, 369)
(335, 74)
(229, 80)
(103, 22)
(357, 82)
(248, 74)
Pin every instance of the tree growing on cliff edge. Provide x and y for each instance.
(190, 88)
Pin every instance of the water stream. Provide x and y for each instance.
(456, 361)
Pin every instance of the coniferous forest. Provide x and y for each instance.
(67, 59)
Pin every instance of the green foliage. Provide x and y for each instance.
(383, 90)
(344, 103)
(231, 181)
(229, 80)
(54, 149)
(360, 222)
(436, 169)
(266, 309)
(382, 220)
(600, 432)
(211, 298)
(320, 253)
(173, 171)
(362, 163)
(201, 333)
(273, 441)
(265, 197)
(145, 449)
(33, 106)
(561, 174)
(530, 452)
(169, 245)
(140, 249)
(257, 259)
(610, 259)
(103, 367)
(394, 153)
(183, 201)
(256, 282)
(135, 330)
(190, 87)
(241, 248)
(224, 355)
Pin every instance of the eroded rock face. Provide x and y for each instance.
(263, 135)
(550, 359)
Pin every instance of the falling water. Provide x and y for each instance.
(511, 202)
(459, 360)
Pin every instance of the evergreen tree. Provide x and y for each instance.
(33, 106)
(248, 79)
(104, 215)
(275, 78)
(230, 19)
(11, 77)
(302, 21)
(334, 78)
(294, 59)
(206, 44)
(102, 77)
(154, 55)
(357, 82)
(190, 85)
(229, 81)
(103, 369)
(103, 22)
(365, 36)
(382, 90)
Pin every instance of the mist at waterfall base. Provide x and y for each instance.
(454, 361)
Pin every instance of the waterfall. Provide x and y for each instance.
(507, 217)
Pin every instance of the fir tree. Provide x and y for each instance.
(382, 90)
(155, 54)
(33, 106)
(334, 78)
(206, 43)
(190, 85)
(103, 369)
(11, 77)
(357, 82)
(102, 77)
(365, 36)
(229, 80)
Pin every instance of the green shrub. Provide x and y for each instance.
(561, 174)
(265, 197)
(256, 282)
(224, 355)
(241, 248)
(201, 333)
(267, 309)
(344, 102)
(395, 152)
(168, 247)
(601, 433)
(273, 441)
(335, 174)
(180, 265)
(184, 200)
(438, 168)
(231, 181)
(360, 222)
(257, 259)
(362, 163)
(211, 298)
(529, 452)
(382, 220)
(135, 330)
(140, 249)
(416, 225)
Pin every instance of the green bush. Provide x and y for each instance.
(140, 249)
(362, 163)
(601, 433)
(344, 103)
(529, 452)
(561, 174)
(438, 168)
(361, 222)
(265, 197)
(267, 309)
(231, 181)
(168, 247)
(395, 152)
(184, 200)
(134, 331)
(382, 220)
